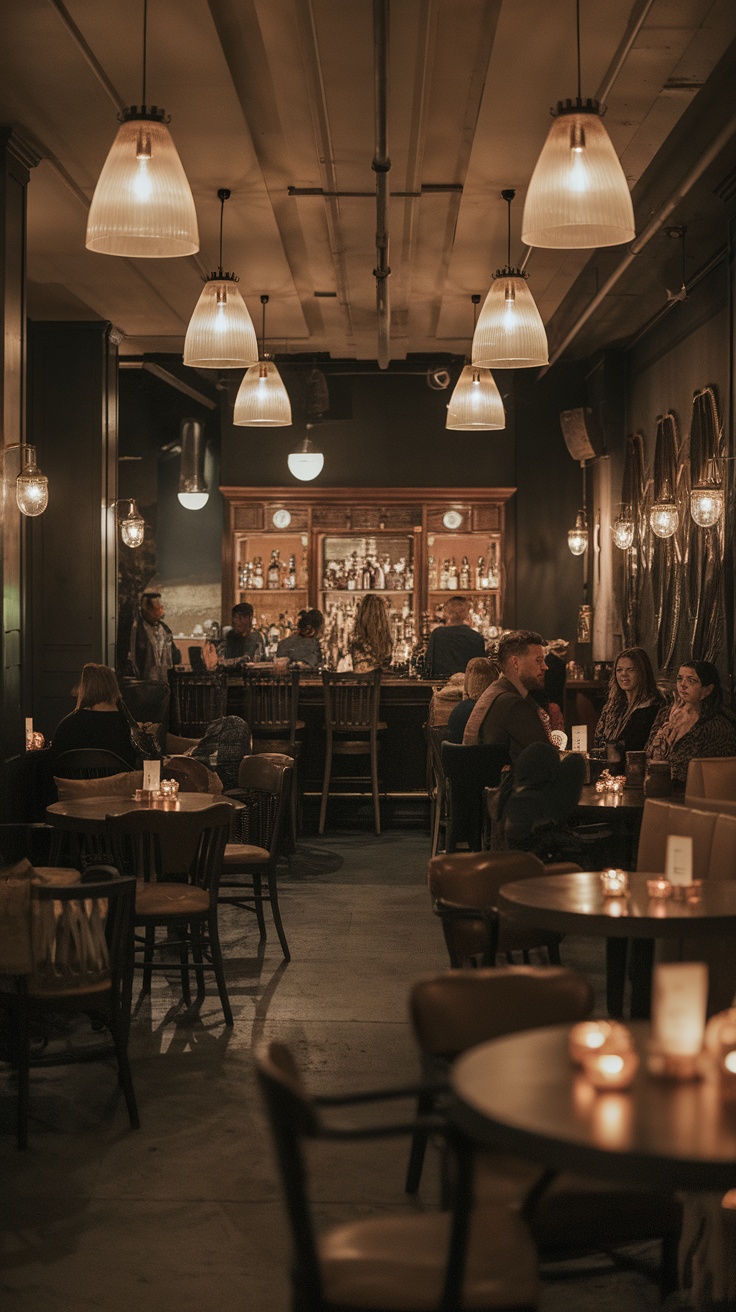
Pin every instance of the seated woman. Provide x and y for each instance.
(371, 645)
(695, 725)
(480, 672)
(302, 647)
(96, 721)
(633, 703)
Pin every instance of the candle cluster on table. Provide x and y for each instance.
(604, 1050)
(614, 882)
(610, 783)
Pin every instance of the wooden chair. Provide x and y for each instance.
(79, 958)
(437, 1262)
(89, 763)
(468, 771)
(438, 787)
(156, 844)
(265, 784)
(271, 706)
(574, 1216)
(351, 728)
(196, 700)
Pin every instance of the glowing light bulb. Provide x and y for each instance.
(623, 529)
(706, 505)
(664, 519)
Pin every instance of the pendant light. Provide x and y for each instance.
(262, 400)
(193, 493)
(132, 526)
(510, 333)
(623, 528)
(143, 204)
(31, 486)
(706, 498)
(578, 196)
(475, 404)
(220, 333)
(306, 463)
(577, 537)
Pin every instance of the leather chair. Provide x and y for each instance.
(574, 1216)
(711, 784)
(437, 1262)
(464, 887)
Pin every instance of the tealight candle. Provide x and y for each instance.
(614, 883)
(688, 892)
(596, 1036)
(168, 788)
(659, 888)
(611, 1070)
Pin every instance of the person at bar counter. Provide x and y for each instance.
(505, 715)
(371, 645)
(241, 643)
(303, 647)
(152, 647)
(480, 673)
(696, 724)
(454, 643)
(96, 721)
(633, 703)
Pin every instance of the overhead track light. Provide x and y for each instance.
(221, 333)
(510, 333)
(475, 404)
(578, 196)
(262, 400)
(143, 204)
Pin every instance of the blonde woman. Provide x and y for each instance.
(371, 645)
(96, 720)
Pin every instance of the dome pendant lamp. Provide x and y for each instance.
(221, 333)
(262, 400)
(143, 204)
(475, 405)
(510, 333)
(578, 197)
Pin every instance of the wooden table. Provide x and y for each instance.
(574, 904)
(521, 1094)
(88, 814)
(622, 811)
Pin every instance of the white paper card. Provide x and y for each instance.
(151, 775)
(580, 737)
(678, 1007)
(679, 860)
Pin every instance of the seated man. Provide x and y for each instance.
(453, 644)
(242, 642)
(504, 714)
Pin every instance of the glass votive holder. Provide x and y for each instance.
(37, 741)
(678, 1066)
(691, 892)
(659, 888)
(590, 1036)
(143, 795)
(611, 1070)
(614, 883)
(168, 788)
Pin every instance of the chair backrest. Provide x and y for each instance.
(197, 700)
(712, 778)
(146, 699)
(436, 736)
(192, 776)
(468, 771)
(351, 701)
(89, 763)
(722, 863)
(82, 935)
(458, 1009)
(265, 782)
(272, 702)
(472, 879)
(152, 844)
(662, 818)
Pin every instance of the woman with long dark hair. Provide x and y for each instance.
(96, 720)
(633, 703)
(695, 724)
(371, 645)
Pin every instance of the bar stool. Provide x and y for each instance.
(271, 709)
(352, 728)
(197, 700)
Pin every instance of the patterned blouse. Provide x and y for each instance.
(714, 735)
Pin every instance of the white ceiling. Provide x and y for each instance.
(268, 94)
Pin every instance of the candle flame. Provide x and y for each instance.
(611, 1064)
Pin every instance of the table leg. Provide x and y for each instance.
(641, 962)
(616, 954)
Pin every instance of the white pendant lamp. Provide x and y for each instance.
(578, 196)
(305, 464)
(509, 333)
(143, 204)
(262, 400)
(475, 404)
(193, 492)
(221, 333)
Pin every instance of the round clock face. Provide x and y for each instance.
(452, 519)
(281, 519)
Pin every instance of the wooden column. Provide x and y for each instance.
(73, 423)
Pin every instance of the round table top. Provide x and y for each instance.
(574, 904)
(522, 1094)
(89, 813)
(630, 800)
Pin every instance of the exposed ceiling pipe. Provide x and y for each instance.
(653, 227)
(381, 166)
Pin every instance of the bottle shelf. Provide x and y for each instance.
(463, 592)
(366, 592)
(271, 592)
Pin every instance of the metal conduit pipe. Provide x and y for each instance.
(654, 225)
(381, 166)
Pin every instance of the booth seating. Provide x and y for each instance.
(711, 784)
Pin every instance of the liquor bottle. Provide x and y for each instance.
(452, 576)
(258, 572)
(365, 579)
(444, 576)
(379, 578)
(409, 578)
(432, 574)
(273, 578)
(464, 574)
(291, 576)
(493, 564)
(481, 578)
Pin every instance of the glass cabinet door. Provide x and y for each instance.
(353, 565)
(468, 565)
(271, 573)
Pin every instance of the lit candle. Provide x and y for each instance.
(611, 1070)
(614, 883)
(659, 888)
(678, 1018)
(597, 1036)
(720, 1043)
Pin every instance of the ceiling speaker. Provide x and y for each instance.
(582, 435)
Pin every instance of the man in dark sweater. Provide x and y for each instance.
(504, 714)
(453, 644)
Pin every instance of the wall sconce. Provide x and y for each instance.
(664, 517)
(623, 528)
(577, 537)
(706, 498)
(31, 486)
(132, 525)
(193, 493)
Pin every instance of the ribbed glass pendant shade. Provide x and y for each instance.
(143, 205)
(476, 402)
(578, 196)
(220, 333)
(509, 333)
(262, 400)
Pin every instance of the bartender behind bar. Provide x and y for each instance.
(241, 643)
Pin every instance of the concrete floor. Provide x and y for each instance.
(186, 1213)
